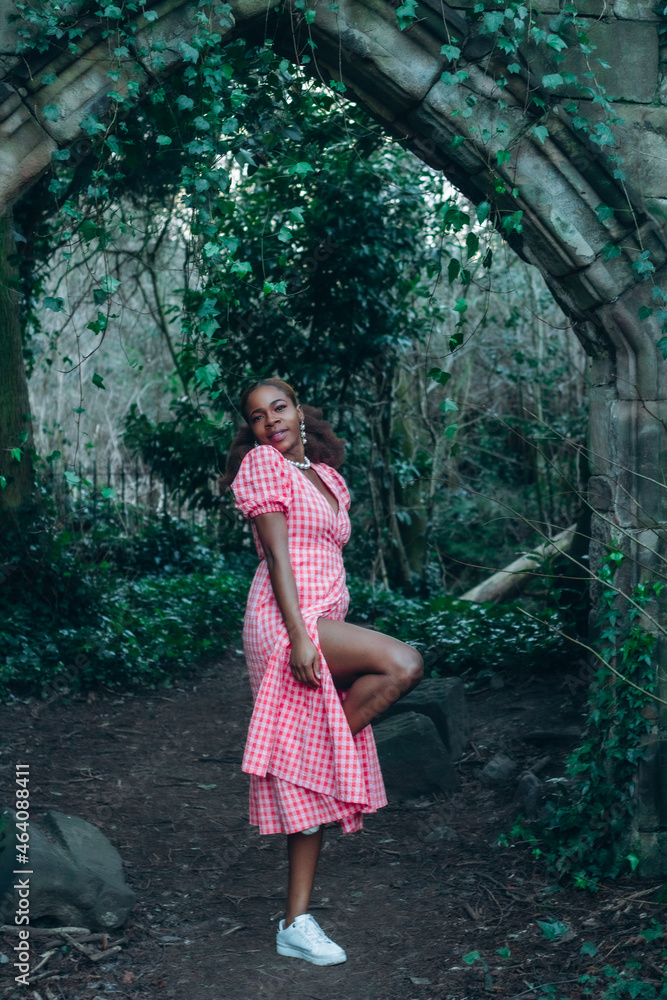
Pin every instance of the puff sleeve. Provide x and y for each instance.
(262, 484)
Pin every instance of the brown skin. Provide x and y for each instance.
(373, 668)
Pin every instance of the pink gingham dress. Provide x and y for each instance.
(305, 766)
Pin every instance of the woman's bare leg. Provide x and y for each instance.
(373, 668)
(303, 850)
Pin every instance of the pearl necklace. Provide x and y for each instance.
(300, 465)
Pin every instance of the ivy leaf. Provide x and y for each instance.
(207, 374)
(643, 265)
(51, 112)
(91, 125)
(16, 454)
(108, 492)
(483, 210)
(604, 212)
(610, 250)
(55, 303)
(514, 68)
(457, 141)
(302, 168)
(49, 78)
(552, 80)
(461, 306)
(72, 478)
(552, 929)
(296, 215)
(406, 14)
(471, 957)
(588, 948)
(163, 140)
(503, 952)
(453, 269)
(98, 381)
(450, 52)
(645, 312)
(448, 406)
(3, 483)
(450, 431)
(493, 20)
(556, 42)
(502, 156)
(189, 53)
(183, 102)
(541, 132)
(449, 79)
(98, 325)
(110, 284)
(151, 15)
(241, 267)
(472, 244)
(438, 375)
(284, 235)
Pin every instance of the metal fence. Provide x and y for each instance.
(85, 494)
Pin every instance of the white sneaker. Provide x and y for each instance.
(305, 939)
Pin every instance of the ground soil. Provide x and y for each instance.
(422, 886)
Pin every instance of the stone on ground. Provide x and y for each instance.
(77, 875)
(442, 699)
(499, 770)
(413, 758)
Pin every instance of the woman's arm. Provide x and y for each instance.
(304, 659)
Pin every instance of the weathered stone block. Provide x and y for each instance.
(631, 50)
(77, 875)
(442, 699)
(413, 758)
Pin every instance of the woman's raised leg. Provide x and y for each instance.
(375, 669)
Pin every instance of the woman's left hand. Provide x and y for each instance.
(304, 661)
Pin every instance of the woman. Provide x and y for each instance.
(316, 680)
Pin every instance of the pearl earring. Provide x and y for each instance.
(302, 428)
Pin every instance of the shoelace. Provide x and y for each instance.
(312, 929)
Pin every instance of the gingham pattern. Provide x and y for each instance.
(305, 766)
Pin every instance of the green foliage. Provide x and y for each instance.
(144, 616)
(456, 636)
(584, 827)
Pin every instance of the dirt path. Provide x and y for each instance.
(418, 889)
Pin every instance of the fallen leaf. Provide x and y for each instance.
(128, 977)
(418, 981)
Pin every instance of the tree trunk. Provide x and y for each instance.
(16, 467)
(510, 581)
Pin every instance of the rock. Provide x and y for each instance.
(499, 770)
(77, 875)
(442, 699)
(413, 758)
(528, 794)
(439, 833)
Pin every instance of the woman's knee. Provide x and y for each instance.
(407, 668)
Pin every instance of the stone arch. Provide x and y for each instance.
(557, 183)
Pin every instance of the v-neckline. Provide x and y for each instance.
(328, 503)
